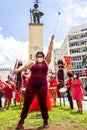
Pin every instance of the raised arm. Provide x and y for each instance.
(49, 53)
(23, 68)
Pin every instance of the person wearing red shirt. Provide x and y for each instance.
(70, 89)
(53, 87)
(8, 93)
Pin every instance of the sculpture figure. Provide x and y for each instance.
(36, 14)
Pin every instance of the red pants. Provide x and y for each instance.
(30, 93)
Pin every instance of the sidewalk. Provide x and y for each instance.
(75, 106)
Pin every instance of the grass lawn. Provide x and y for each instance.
(60, 118)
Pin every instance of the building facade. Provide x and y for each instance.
(4, 72)
(75, 45)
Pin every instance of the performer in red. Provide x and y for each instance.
(60, 75)
(8, 93)
(78, 91)
(52, 81)
(37, 84)
(53, 87)
(19, 76)
(70, 89)
(18, 80)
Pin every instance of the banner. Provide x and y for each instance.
(67, 62)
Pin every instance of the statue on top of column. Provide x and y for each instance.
(35, 13)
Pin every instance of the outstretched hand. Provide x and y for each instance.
(52, 38)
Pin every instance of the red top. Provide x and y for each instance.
(69, 82)
(38, 74)
(53, 82)
(8, 90)
(1, 84)
(86, 75)
(69, 85)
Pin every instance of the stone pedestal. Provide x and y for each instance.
(35, 39)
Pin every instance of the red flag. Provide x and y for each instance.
(68, 62)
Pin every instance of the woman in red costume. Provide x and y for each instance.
(53, 87)
(37, 85)
(8, 89)
(70, 89)
(60, 75)
(78, 91)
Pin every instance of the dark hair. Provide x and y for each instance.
(60, 61)
(76, 75)
(20, 63)
(39, 52)
(69, 74)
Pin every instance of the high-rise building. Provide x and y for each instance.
(5, 71)
(75, 45)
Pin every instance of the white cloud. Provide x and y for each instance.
(74, 12)
(80, 10)
(10, 50)
(57, 44)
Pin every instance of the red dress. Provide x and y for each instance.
(77, 90)
(8, 91)
(35, 105)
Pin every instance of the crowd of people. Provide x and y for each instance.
(38, 89)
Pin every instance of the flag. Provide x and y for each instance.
(68, 62)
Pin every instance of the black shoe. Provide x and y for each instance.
(20, 125)
(19, 128)
(46, 124)
(80, 111)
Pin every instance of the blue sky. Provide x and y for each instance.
(15, 19)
